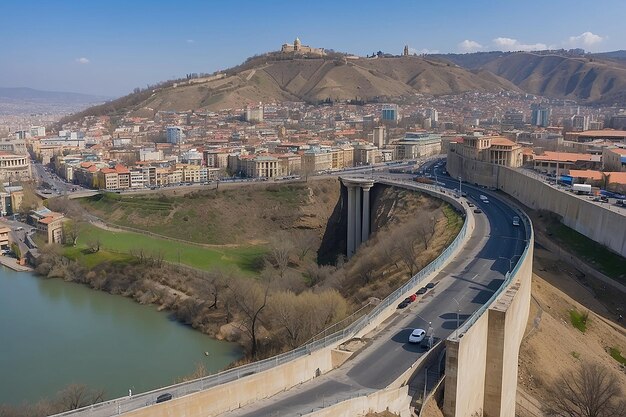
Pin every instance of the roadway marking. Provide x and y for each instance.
(475, 276)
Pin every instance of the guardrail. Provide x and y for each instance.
(126, 404)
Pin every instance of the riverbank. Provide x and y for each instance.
(13, 264)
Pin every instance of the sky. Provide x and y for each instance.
(110, 47)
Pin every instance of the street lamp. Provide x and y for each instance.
(460, 193)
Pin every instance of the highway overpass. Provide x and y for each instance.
(469, 278)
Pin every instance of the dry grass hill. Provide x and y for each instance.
(315, 80)
(274, 77)
(577, 78)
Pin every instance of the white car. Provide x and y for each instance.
(417, 336)
(515, 221)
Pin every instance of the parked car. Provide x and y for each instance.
(470, 204)
(421, 291)
(164, 397)
(417, 336)
(403, 304)
(431, 285)
(477, 210)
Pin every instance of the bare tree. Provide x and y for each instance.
(305, 242)
(408, 251)
(589, 391)
(281, 248)
(78, 395)
(251, 298)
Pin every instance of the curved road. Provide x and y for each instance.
(462, 287)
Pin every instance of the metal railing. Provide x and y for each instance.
(126, 404)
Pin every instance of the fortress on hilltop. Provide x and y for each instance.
(298, 48)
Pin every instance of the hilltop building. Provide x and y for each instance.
(405, 52)
(297, 48)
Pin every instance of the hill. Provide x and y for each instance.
(274, 77)
(592, 78)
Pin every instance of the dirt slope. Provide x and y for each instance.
(552, 345)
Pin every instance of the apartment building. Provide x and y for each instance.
(614, 159)
(418, 145)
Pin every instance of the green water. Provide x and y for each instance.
(54, 333)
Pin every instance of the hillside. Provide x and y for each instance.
(596, 78)
(552, 345)
(268, 78)
(576, 78)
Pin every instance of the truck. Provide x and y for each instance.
(581, 188)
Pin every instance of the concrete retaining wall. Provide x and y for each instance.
(395, 400)
(232, 395)
(466, 360)
(481, 364)
(592, 220)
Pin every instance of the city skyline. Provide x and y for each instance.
(109, 49)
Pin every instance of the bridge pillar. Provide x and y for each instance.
(365, 233)
(351, 220)
(358, 215)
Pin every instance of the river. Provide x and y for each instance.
(54, 333)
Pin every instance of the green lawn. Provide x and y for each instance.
(607, 262)
(617, 355)
(119, 245)
(579, 320)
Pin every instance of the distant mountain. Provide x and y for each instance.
(590, 78)
(30, 94)
(274, 77)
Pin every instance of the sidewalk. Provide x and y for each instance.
(12, 264)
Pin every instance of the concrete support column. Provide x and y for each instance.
(351, 221)
(358, 217)
(365, 231)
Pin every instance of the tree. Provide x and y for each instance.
(251, 298)
(78, 395)
(280, 252)
(94, 245)
(589, 391)
(30, 201)
(71, 231)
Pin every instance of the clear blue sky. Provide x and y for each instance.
(110, 47)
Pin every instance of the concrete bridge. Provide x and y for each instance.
(481, 363)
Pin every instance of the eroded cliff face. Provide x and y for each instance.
(388, 205)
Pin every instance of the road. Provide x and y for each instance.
(462, 287)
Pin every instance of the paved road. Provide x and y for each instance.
(463, 286)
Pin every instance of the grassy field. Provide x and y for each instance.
(217, 217)
(607, 262)
(118, 246)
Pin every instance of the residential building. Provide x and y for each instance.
(614, 159)
(254, 113)
(418, 145)
(540, 117)
(378, 137)
(390, 113)
(49, 223)
(175, 135)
